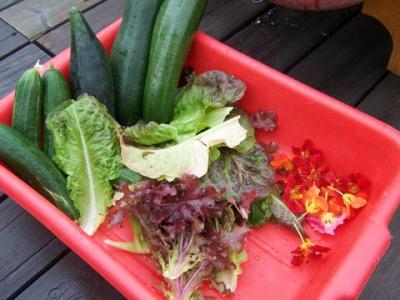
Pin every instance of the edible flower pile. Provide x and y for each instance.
(320, 198)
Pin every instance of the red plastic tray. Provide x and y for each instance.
(350, 140)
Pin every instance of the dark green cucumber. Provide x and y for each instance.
(55, 92)
(35, 168)
(175, 25)
(129, 176)
(129, 57)
(90, 70)
(27, 111)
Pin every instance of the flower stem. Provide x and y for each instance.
(299, 233)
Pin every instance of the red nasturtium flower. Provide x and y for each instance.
(311, 189)
(306, 251)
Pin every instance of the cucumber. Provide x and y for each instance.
(27, 111)
(175, 25)
(90, 70)
(35, 168)
(129, 176)
(55, 92)
(129, 57)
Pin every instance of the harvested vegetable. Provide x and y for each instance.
(27, 113)
(55, 92)
(182, 223)
(203, 103)
(90, 69)
(173, 31)
(33, 166)
(87, 150)
(129, 57)
(189, 157)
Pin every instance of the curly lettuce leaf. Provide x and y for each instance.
(223, 88)
(150, 133)
(226, 280)
(200, 105)
(240, 174)
(139, 245)
(189, 157)
(248, 144)
(87, 150)
(260, 212)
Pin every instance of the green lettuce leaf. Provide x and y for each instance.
(250, 140)
(190, 157)
(150, 133)
(87, 151)
(200, 105)
(260, 212)
(226, 280)
(139, 245)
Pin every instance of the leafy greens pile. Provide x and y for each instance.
(191, 188)
(208, 182)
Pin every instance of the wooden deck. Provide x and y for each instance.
(342, 53)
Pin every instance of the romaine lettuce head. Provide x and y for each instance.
(88, 152)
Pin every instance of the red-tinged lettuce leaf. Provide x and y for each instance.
(190, 229)
(265, 120)
(223, 88)
(245, 121)
(241, 175)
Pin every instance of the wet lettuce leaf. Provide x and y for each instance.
(250, 141)
(239, 175)
(225, 281)
(88, 152)
(189, 157)
(260, 212)
(202, 104)
(139, 245)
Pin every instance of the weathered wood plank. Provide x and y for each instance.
(12, 66)
(70, 278)
(282, 36)
(9, 39)
(34, 17)
(223, 17)
(218, 20)
(7, 3)
(99, 17)
(349, 63)
(384, 283)
(383, 102)
(21, 237)
(32, 268)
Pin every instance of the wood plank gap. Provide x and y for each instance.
(35, 17)
(4, 5)
(362, 98)
(245, 24)
(44, 49)
(326, 37)
(61, 24)
(15, 50)
(40, 272)
(27, 259)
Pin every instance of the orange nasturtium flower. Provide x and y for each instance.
(282, 161)
(314, 202)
